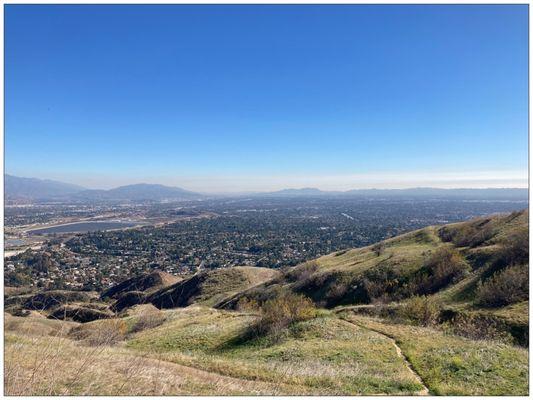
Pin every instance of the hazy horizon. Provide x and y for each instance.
(487, 180)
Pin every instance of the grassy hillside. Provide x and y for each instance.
(442, 310)
(142, 283)
(210, 287)
(200, 350)
(449, 263)
(452, 365)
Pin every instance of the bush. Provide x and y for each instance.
(444, 266)
(247, 305)
(421, 310)
(387, 283)
(383, 284)
(302, 272)
(378, 248)
(337, 290)
(515, 248)
(280, 312)
(508, 286)
(478, 327)
(468, 235)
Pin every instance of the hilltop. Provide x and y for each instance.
(440, 310)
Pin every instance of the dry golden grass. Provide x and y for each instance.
(38, 364)
(37, 325)
(58, 366)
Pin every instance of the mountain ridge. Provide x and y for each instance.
(45, 189)
(20, 187)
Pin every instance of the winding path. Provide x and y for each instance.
(425, 390)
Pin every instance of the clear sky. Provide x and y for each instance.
(230, 98)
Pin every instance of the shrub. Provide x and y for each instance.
(302, 272)
(280, 312)
(508, 286)
(468, 235)
(421, 310)
(444, 266)
(246, 304)
(378, 248)
(515, 248)
(481, 236)
(382, 284)
(337, 290)
(477, 327)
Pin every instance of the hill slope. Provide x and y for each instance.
(201, 351)
(357, 347)
(210, 287)
(473, 250)
(448, 262)
(142, 283)
(32, 188)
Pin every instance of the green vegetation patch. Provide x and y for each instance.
(452, 365)
(323, 355)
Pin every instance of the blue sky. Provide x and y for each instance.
(228, 98)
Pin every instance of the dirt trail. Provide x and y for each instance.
(425, 390)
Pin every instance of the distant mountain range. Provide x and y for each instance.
(32, 188)
(17, 188)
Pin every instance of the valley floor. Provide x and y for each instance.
(203, 351)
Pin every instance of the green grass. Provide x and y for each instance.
(206, 351)
(321, 356)
(451, 365)
(224, 283)
(406, 250)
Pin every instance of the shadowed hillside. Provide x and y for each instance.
(210, 287)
